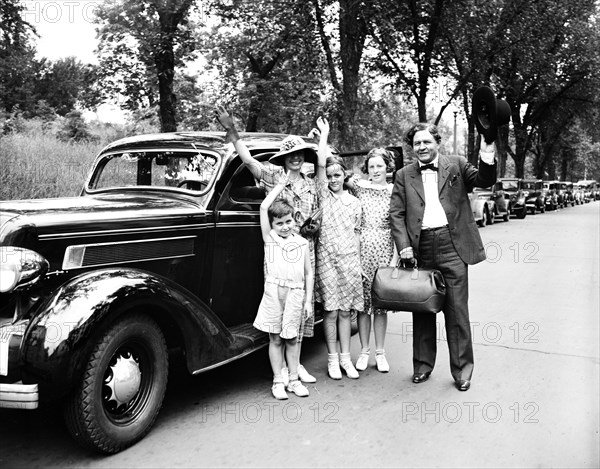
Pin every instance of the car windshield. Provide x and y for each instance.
(187, 171)
(510, 185)
(529, 185)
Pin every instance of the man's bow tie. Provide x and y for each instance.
(428, 166)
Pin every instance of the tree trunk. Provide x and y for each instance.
(165, 68)
(352, 40)
(171, 15)
(262, 71)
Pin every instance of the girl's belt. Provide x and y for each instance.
(284, 283)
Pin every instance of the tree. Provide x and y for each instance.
(18, 67)
(265, 59)
(147, 39)
(407, 35)
(64, 83)
(551, 50)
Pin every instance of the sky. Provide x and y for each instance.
(65, 28)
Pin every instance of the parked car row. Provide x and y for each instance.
(519, 197)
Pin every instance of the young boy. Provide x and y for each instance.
(288, 289)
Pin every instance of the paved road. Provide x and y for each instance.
(533, 403)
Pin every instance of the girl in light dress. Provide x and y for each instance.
(376, 249)
(338, 285)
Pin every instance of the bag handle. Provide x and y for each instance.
(415, 272)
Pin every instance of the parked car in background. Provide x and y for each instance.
(569, 194)
(558, 188)
(578, 194)
(162, 252)
(535, 200)
(511, 187)
(563, 194)
(591, 189)
(551, 193)
(482, 206)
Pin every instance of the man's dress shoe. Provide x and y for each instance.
(421, 377)
(463, 384)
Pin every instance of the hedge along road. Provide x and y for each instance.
(534, 399)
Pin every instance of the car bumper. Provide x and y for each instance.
(13, 393)
(19, 396)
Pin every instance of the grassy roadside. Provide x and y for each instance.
(34, 164)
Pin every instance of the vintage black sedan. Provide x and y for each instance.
(534, 195)
(511, 189)
(162, 251)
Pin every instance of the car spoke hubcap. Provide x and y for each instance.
(122, 382)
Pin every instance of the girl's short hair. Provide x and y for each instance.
(431, 128)
(335, 160)
(386, 155)
(279, 209)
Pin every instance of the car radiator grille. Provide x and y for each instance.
(92, 255)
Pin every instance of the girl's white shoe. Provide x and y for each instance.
(363, 360)
(305, 376)
(278, 391)
(297, 388)
(333, 369)
(349, 369)
(382, 364)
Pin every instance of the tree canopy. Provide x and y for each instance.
(371, 66)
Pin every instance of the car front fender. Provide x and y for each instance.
(62, 330)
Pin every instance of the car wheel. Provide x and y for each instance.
(490, 217)
(481, 221)
(122, 387)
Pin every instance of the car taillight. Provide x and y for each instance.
(20, 267)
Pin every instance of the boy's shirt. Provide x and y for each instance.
(284, 257)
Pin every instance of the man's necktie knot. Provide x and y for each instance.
(429, 166)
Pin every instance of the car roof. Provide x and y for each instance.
(255, 141)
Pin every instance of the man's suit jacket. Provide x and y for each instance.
(456, 178)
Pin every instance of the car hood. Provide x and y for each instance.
(482, 193)
(97, 213)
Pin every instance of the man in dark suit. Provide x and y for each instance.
(432, 222)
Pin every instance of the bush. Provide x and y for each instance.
(75, 129)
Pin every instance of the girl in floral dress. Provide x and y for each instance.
(338, 283)
(376, 249)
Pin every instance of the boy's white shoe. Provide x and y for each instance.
(363, 360)
(278, 391)
(382, 364)
(349, 369)
(297, 388)
(285, 374)
(305, 376)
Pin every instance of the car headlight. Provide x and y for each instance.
(20, 267)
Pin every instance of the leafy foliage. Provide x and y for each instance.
(141, 44)
(266, 57)
(18, 66)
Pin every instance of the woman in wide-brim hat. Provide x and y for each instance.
(292, 145)
(300, 192)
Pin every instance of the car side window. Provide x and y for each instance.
(244, 188)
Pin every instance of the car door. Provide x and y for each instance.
(237, 284)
